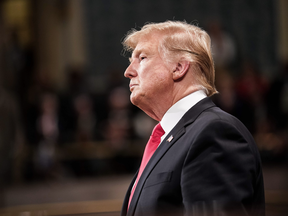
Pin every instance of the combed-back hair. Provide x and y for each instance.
(180, 40)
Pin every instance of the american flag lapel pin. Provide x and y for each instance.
(170, 138)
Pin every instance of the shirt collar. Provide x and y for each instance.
(176, 112)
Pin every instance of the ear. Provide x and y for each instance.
(180, 69)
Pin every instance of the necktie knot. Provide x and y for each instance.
(158, 131)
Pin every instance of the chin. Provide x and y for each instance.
(134, 100)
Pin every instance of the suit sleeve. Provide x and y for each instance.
(218, 172)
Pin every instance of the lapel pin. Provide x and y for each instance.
(170, 138)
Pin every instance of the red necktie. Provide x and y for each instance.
(150, 148)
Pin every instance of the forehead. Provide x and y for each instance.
(147, 44)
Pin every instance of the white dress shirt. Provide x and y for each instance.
(176, 112)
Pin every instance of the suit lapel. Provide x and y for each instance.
(127, 196)
(176, 133)
(158, 154)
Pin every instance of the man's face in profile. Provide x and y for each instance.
(150, 77)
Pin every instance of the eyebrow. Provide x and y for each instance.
(138, 52)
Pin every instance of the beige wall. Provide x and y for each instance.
(60, 39)
(282, 12)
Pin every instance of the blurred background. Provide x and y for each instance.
(70, 141)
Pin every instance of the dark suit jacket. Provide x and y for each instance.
(210, 167)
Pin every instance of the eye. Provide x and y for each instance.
(142, 58)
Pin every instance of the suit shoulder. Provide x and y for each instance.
(215, 122)
(219, 117)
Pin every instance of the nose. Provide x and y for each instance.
(130, 71)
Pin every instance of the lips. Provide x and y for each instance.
(132, 86)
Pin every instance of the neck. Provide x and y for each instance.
(160, 107)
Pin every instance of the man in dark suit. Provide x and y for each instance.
(206, 162)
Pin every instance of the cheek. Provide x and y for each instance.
(162, 79)
(154, 78)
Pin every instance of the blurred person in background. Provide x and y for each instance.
(48, 129)
(277, 100)
(272, 136)
(227, 100)
(199, 160)
(223, 46)
(86, 118)
(251, 88)
(11, 141)
(117, 127)
(11, 131)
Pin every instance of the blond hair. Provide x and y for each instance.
(180, 40)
